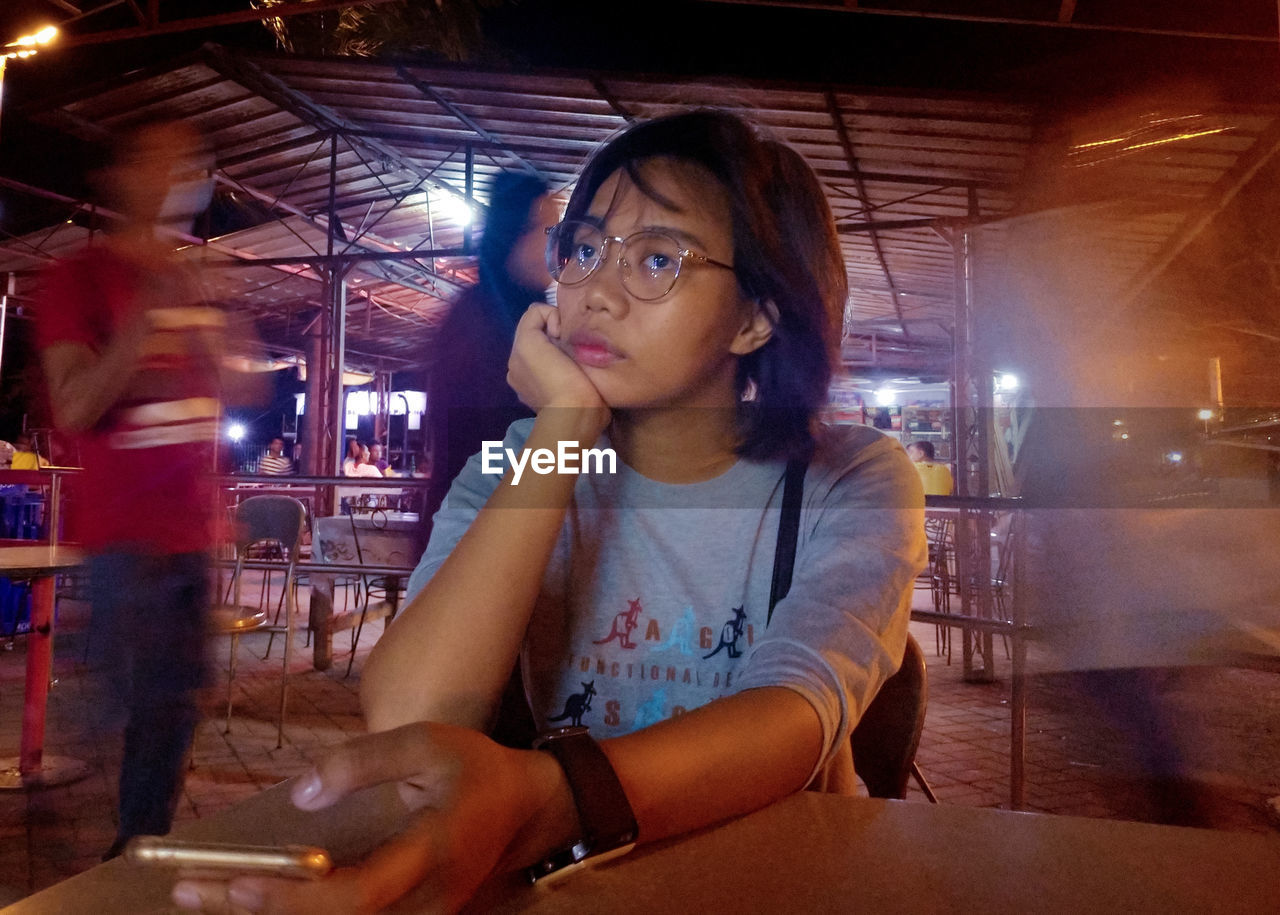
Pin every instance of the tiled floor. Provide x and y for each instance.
(1074, 762)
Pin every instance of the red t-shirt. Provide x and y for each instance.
(150, 458)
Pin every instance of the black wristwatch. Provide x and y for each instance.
(608, 824)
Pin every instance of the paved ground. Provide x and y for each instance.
(1228, 721)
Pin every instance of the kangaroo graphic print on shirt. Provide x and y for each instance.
(654, 599)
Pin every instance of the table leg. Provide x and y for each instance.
(39, 666)
(321, 618)
(33, 768)
(393, 596)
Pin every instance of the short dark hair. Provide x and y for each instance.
(786, 256)
(926, 448)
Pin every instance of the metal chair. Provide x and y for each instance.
(262, 519)
(940, 572)
(887, 736)
(373, 586)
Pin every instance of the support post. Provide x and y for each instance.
(972, 406)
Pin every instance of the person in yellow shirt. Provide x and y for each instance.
(25, 456)
(936, 478)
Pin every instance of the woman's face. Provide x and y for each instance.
(680, 350)
(527, 262)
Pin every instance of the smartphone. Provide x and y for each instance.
(299, 861)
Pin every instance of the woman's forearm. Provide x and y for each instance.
(735, 755)
(450, 653)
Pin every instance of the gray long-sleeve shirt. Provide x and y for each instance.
(655, 598)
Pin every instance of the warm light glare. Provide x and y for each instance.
(42, 37)
(26, 46)
(1205, 415)
(886, 397)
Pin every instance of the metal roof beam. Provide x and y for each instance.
(1227, 187)
(846, 144)
(321, 223)
(254, 78)
(434, 96)
(351, 257)
(885, 225)
(935, 181)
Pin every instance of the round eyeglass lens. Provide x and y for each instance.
(650, 264)
(650, 261)
(573, 251)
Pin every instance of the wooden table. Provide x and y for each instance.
(383, 539)
(31, 768)
(809, 853)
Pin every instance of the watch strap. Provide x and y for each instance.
(604, 813)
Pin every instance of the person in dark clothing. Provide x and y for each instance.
(468, 398)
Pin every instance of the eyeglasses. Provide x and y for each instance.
(650, 260)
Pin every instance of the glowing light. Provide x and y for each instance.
(1117, 422)
(1124, 436)
(886, 397)
(1205, 415)
(358, 403)
(1174, 457)
(27, 44)
(1006, 382)
(236, 432)
(456, 208)
(44, 36)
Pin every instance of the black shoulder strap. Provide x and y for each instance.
(784, 559)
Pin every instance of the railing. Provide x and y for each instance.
(989, 603)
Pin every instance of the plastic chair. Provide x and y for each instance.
(261, 519)
(887, 736)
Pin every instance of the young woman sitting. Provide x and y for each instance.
(700, 295)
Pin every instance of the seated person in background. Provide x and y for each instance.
(354, 454)
(6, 454)
(274, 462)
(700, 300)
(361, 467)
(935, 477)
(377, 460)
(25, 456)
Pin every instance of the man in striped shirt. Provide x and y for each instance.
(275, 463)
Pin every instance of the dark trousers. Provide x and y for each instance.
(148, 654)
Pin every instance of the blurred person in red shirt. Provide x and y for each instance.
(133, 358)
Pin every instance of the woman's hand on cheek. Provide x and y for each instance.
(541, 373)
(469, 796)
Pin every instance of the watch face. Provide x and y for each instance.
(558, 734)
(547, 872)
